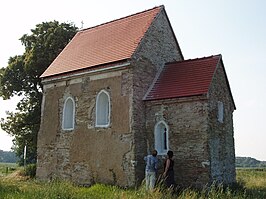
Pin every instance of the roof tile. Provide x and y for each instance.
(184, 78)
(110, 42)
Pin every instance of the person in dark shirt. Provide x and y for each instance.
(151, 170)
(168, 174)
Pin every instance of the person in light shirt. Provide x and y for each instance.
(151, 170)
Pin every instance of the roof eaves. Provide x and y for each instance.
(179, 97)
(98, 68)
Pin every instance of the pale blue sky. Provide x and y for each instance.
(236, 29)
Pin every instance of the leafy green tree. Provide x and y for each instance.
(21, 78)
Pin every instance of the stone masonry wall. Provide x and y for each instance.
(157, 47)
(187, 119)
(221, 140)
(87, 154)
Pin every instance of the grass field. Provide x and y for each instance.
(6, 168)
(251, 184)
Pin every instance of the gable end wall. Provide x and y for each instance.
(156, 48)
(221, 135)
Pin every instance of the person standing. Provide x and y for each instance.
(151, 170)
(168, 174)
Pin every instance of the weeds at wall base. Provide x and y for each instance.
(247, 187)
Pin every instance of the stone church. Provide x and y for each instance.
(120, 89)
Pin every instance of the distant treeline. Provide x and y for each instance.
(249, 162)
(8, 156)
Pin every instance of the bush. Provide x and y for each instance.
(30, 170)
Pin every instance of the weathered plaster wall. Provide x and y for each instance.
(114, 155)
(187, 120)
(221, 135)
(157, 47)
(63, 148)
(87, 154)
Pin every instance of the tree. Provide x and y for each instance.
(21, 77)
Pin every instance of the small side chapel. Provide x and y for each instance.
(122, 88)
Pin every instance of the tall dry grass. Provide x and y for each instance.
(251, 185)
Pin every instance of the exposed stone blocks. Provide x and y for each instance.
(221, 135)
(87, 154)
(188, 123)
(157, 48)
(203, 147)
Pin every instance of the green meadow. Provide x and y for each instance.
(251, 184)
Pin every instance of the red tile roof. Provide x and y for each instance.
(110, 42)
(184, 78)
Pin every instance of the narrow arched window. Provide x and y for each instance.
(161, 137)
(103, 109)
(220, 114)
(68, 114)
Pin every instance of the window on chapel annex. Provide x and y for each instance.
(220, 114)
(68, 114)
(161, 138)
(103, 109)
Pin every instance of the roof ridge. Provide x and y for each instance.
(98, 45)
(109, 22)
(194, 59)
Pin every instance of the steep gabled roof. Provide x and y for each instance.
(184, 78)
(107, 43)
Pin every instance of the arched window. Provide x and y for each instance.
(68, 114)
(161, 137)
(220, 114)
(103, 109)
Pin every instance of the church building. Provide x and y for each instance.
(123, 88)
